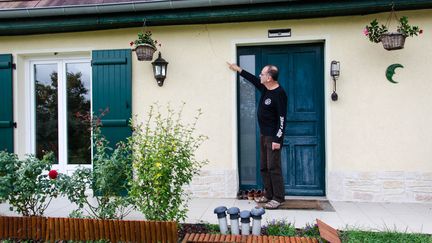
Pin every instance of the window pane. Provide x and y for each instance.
(46, 109)
(78, 113)
(248, 152)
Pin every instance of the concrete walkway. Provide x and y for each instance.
(403, 217)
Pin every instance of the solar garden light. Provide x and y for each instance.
(234, 216)
(223, 226)
(256, 214)
(245, 220)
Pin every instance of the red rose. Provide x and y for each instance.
(52, 174)
(131, 43)
(421, 31)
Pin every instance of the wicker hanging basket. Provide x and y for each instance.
(393, 41)
(145, 52)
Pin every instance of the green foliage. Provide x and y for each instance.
(212, 228)
(374, 31)
(112, 170)
(384, 237)
(145, 38)
(280, 227)
(310, 230)
(164, 162)
(25, 183)
(406, 29)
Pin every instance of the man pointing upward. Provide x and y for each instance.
(271, 119)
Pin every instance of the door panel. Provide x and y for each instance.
(301, 74)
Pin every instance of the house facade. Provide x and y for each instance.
(60, 62)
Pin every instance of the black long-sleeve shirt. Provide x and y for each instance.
(272, 108)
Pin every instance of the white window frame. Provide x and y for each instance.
(61, 63)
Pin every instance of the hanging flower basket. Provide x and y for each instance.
(393, 41)
(145, 46)
(145, 52)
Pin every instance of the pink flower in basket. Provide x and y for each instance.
(365, 31)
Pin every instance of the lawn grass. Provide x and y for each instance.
(349, 236)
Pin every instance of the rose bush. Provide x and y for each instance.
(26, 184)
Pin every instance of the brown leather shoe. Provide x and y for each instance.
(240, 194)
(258, 194)
(251, 194)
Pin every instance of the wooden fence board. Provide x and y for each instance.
(137, 231)
(59, 229)
(66, 222)
(102, 230)
(96, 229)
(2, 228)
(132, 231)
(62, 230)
(72, 233)
(153, 232)
(15, 227)
(327, 232)
(243, 238)
(120, 228)
(148, 232)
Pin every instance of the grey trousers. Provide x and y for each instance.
(271, 172)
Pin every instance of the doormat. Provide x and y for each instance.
(321, 205)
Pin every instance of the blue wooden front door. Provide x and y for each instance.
(301, 74)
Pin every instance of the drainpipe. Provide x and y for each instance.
(223, 226)
(234, 216)
(245, 220)
(257, 216)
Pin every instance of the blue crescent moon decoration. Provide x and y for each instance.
(391, 71)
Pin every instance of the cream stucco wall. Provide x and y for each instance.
(375, 126)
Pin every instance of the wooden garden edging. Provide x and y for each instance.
(246, 239)
(52, 229)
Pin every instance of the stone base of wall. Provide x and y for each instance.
(214, 184)
(389, 186)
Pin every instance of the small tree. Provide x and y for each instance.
(26, 184)
(164, 162)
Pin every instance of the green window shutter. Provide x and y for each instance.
(6, 104)
(112, 91)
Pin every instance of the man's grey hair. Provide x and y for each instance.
(273, 72)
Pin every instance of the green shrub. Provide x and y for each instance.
(280, 227)
(310, 230)
(164, 162)
(25, 184)
(112, 170)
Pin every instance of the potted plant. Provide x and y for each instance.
(145, 46)
(391, 40)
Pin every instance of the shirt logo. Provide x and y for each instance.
(267, 101)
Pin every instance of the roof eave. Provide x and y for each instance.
(221, 14)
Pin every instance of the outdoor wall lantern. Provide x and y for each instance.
(160, 69)
(334, 72)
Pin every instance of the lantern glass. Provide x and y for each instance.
(335, 69)
(160, 69)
